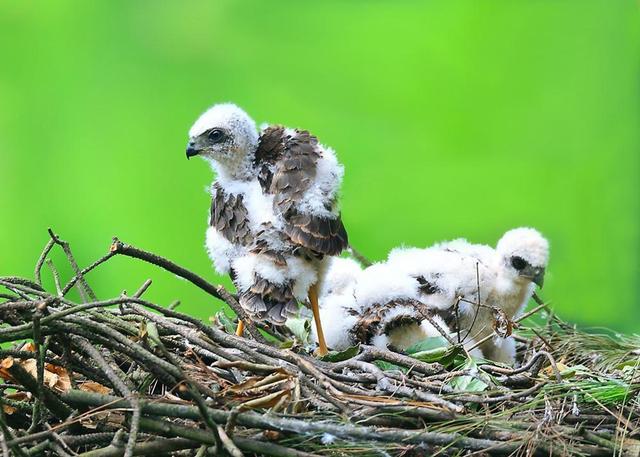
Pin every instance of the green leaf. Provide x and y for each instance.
(342, 355)
(628, 363)
(287, 344)
(468, 383)
(226, 322)
(434, 342)
(434, 349)
(445, 356)
(386, 366)
(300, 327)
(606, 392)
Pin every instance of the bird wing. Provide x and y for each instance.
(265, 300)
(288, 170)
(229, 216)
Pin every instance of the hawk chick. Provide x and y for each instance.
(387, 304)
(274, 218)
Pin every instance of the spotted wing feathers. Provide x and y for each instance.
(230, 217)
(288, 169)
(268, 301)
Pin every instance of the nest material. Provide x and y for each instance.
(128, 377)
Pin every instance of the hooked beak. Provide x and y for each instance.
(191, 150)
(538, 277)
(534, 274)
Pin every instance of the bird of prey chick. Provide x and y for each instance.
(378, 305)
(274, 219)
(456, 289)
(477, 289)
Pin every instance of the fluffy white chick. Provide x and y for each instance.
(391, 314)
(274, 216)
(433, 280)
(378, 306)
(520, 262)
(454, 276)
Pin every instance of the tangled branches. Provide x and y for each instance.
(125, 376)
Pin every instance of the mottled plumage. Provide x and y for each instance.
(229, 216)
(287, 165)
(274, 213)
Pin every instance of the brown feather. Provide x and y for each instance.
(287, 168)
(268, 301)
(230, 217)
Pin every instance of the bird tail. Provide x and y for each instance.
(266, 301)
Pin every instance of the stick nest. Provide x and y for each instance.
(125, 376)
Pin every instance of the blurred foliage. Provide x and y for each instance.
(453, 118)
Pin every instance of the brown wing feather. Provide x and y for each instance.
(270, 149)
(268, 301)
(229, 216)
(370, 321)
(288, 169)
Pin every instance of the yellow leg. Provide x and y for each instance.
(240, 328)
(315, 308)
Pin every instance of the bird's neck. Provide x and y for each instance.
(513, 292)
(238, 168)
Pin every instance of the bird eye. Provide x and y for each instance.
(215, 135)
(518, 263)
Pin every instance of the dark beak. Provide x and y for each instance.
(533, 274)
(191, 150)
(538, 277)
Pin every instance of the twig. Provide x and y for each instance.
(519, 319)
(371, 353)
(56, 276)
(120, 387)
(365, 262)
(85, 290)
(219, 292)
(41, 260)
(84, 271)
(160, 446)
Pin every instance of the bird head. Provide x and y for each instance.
(524, 254)
(223, 134)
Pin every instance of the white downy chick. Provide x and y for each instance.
(520, 261)
(454, 276)
(391, 316)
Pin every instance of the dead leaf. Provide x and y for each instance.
(249, 383)
(55, 377)
(272, 435)
(551, 373)
(9, 410)
(267, 401)
(29, 347)
(95, 387)
(113, 418)
(63, 381)
(30, 366)
(6, 362)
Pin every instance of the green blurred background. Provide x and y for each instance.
(453, 118)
